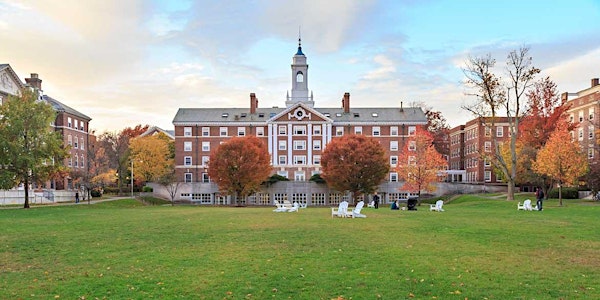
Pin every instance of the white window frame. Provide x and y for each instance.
(487, 176)
(299, 130)
(412, 145)
(282, 160)
(412, 130)
(316, 159)
(499, 131)
(316, 129)
(205, 177)
(187, 161)
(187, 131)
(393, 145)
(376, 131)
(339, 130)
(206, 146)
(282, 145)
(299, 159)
(223, 131)
(76, 143)
(69, 122)
(590, 153)
(299, 176)
(241, 131)
(187, 146)
(393, 177)
(394, 160)
(205, 160)
(358, 130)
(187, 177)
(394, 131)
(300, 145)
(260, 131)
(70, 140)
(487, 146)
(205, 131)
(316, 145)
(282, 130)
(591, 132)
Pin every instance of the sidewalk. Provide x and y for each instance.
(82, 202)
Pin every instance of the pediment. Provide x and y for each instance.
(299, 113)
(9, 81)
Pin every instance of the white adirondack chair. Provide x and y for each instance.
(356, 211)
(437, 206)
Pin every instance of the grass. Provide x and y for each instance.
(481, 247)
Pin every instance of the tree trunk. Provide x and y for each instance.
(560, 194)
(511, 190)
(26, 183)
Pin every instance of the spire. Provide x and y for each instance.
(299, 43)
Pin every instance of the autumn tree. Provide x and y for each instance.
(495, 97)
(239, 166)
(438, 126)
(30, 152)
(561, 159)
(419, 163)
(354, 163)
(152, 156)
(116, 148)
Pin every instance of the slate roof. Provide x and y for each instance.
(59, 106)
(408, 115)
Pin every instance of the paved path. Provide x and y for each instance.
(82, 202)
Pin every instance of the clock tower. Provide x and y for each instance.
(299, 80)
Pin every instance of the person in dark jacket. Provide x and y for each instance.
(539, 195)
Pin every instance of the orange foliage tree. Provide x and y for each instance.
(419, 163)
(239, 166)
(354, 163)
(561, 159)
(152, 157)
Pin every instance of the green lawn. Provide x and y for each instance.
(479, 248)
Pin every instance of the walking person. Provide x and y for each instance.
(76, 197)
(539, 195)
(376, 200)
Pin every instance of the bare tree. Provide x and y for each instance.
(495, 96)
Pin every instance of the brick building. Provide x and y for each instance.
(583, 111)
(295, 134)
(470, 144)
(72, 124)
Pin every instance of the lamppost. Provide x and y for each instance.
(132, 179)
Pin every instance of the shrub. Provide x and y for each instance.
(96, 193)
(317, 178)
(147, 189)
(567, 193)
(275, 178)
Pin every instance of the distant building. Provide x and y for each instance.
(470, 144)
(72, 124)
(295, 135)
(583, 111)
(155, 130)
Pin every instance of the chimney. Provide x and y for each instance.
(594, 82)
(253, 103)
(346, 103)
(565, 96)
(34, 81)
(401, 108)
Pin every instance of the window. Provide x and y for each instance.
(412, 160)
(412, 130)
(299, 130)
(187, 177)
(394, 131)
(223, 131)
(299, 176)
(241, 131)
(205, 146)
(393, 145)
(187, 131)
(282, 130)
(76, 161)
(282, 159)
(487, 146)
(69, 122)
(590, 153)
(70, 140)
(374, 115)
(571, 118)
(260, 131)
(282, 145)
(76, 124)
(499, 131)
(339, 131)
(70, 161)
(81, 126)
(358, 130)
(317, 130)
(580, 130)
(486, 162)
(487, 131)
(394, 177)
(394, 160)
(591, 114)
(316, 145)
(205, 131)
(81, 145)
(299, 77)
(205, 177)
(299, 145)
(487, 176)
(76, 143)
(376, 131)
(580, 116)
(282, 173)
(187, 146)
(591, 132)
(412, 146)
(299, 159)
(205, 160)
(82, 162)
(316, 159)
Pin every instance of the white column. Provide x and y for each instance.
(289, 144)
(309, 145)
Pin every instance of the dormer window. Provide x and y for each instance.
(356, 115)
(327, 115)
(338, 114)
(374, 115)
(261, 115)
(225, 115)
(243, 115)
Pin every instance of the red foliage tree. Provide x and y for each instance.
(354, 163)
(239, 166)
(419, 163)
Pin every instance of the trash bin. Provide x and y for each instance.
(411, 203)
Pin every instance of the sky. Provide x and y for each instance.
(128, 62)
